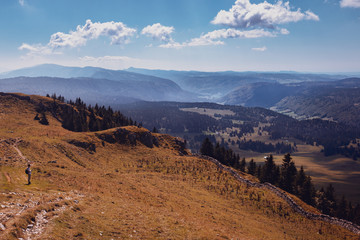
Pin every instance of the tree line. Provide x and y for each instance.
(261, 147)
(79, 117)
(288, 178)
(333, 136)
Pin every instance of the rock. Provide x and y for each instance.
(124, 136)
(147, 139)
(85, 145)
(2, 227)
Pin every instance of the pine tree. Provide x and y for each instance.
(218, 153)
(288, 174)
(242, 165)
(308, 192)
(342, 211)
(252, 167)
(357, 214)
(322, 202)
(300, 180)
(207, 148)
(268, 171)
(330, 196)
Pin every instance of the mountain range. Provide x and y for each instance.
(287, 92)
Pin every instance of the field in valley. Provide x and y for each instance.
(342, 172)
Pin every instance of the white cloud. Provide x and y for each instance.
(116, 31)
(158, 32)
(350, 3)
(195, 42)
(262, 49)
(246, 15)
(214, 37)
(37, 49)
(284, 31)
(234, 33)
(22, 2)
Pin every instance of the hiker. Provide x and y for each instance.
(28, 172)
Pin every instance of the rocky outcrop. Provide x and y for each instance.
(280, 193)
(124, 136)
(181, 146)
(90, 147)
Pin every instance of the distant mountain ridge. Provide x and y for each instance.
(95, 85)
(284, 91)
(215, 85)
(338, 101)
(101, 91)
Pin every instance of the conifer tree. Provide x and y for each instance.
(300, 180)
(342, 208)
(308, 192)
(288, 174)
(252, 167)
(218, 153)
(242, 165)
(330, 196)
(207, 148)
(268, 171)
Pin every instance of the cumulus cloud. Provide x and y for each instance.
(118, 32)
(350, 3)
(22, 2)
(158, 32)
(265, 15)
(234, 33)
(261, 49)
(215, 37)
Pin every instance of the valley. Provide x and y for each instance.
(342, 172)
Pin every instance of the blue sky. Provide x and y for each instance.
(206, 35)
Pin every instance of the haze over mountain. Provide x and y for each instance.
(95, 85)
(215, 85)
(238, 88)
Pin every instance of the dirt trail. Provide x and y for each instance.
(7, 147)
(31, 213)
(15, 146)
(8, 178)
(296, 207)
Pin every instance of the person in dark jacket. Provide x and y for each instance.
(28, 172)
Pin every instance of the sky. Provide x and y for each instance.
(203, 35)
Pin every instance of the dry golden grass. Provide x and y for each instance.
(136, 192)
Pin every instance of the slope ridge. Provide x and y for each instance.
(294, 205)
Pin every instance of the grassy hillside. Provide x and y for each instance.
(129, 184)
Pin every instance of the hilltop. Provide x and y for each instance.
(127, 182)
